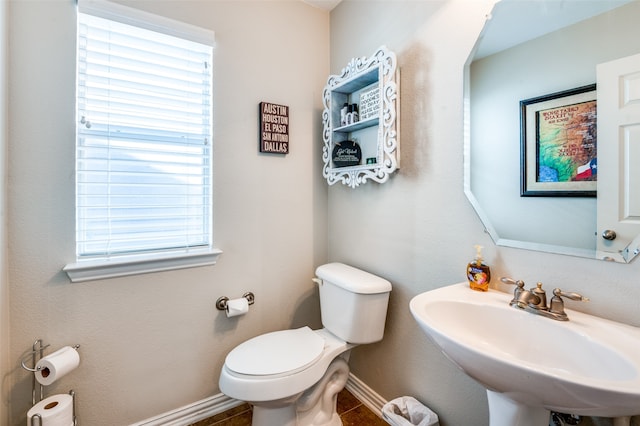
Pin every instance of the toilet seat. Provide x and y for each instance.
(279, 352)
(282, 386)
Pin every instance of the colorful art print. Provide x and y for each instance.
(559, 144)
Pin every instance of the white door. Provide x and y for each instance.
(618, 98)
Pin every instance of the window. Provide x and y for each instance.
(143, 148)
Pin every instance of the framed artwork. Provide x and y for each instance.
(558, 152)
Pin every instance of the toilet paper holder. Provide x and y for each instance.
(37, 353)
(38, 347)
(32, 422)
(221, 303)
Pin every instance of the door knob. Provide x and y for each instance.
(609, 234)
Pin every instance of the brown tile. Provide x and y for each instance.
(346, 401)
(243, 419)
(361, 415)
(351, 411)
(243, 411)
(205, 422)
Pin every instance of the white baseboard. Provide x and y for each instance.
(220, 403)
(365, 394)
(192, 413)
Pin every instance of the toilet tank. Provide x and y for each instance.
(353, 303)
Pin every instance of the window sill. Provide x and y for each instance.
(89, 270)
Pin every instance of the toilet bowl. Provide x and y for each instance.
(274, 370)
(292, 377)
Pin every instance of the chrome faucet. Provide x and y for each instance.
(534, 300)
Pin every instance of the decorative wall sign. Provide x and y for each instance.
(559, 149)
(345, 154)
(369, 104)
(274, 128)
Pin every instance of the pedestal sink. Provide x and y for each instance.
(529, 364)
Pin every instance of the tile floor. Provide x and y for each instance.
(351, 410)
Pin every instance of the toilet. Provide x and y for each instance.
(292, 377)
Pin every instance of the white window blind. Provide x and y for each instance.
(143, 150)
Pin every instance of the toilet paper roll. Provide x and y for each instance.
(56, 410)
(236, 307)
(54, 366)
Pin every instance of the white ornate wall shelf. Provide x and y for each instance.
(364, 146)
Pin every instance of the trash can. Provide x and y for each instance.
(408, 411)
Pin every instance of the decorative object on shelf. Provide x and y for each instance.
(369, 90)
(274, 128)
(352, 114)
(344, 112)
(345, 154)
(558, 138)
(369, 104)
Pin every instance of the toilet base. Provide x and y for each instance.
(315, 407)
(285, 416)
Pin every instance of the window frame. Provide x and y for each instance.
(133, 263)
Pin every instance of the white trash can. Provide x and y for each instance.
(408, 411)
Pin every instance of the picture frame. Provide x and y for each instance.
(558, 144)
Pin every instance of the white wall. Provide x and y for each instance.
(155, 342)
(4, 285)
(418, 230)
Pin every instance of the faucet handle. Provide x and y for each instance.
(518, 290)
(511, 281)
(572, 296)
(557, 304)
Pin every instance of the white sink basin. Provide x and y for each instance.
(531, 364)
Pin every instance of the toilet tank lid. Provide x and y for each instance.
(352, 279)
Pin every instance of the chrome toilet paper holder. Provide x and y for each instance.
(37, 353)
(221, 303)
(38, 348)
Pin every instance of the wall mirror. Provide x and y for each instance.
(526, 50)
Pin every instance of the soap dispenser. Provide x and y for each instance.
(478, 273)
